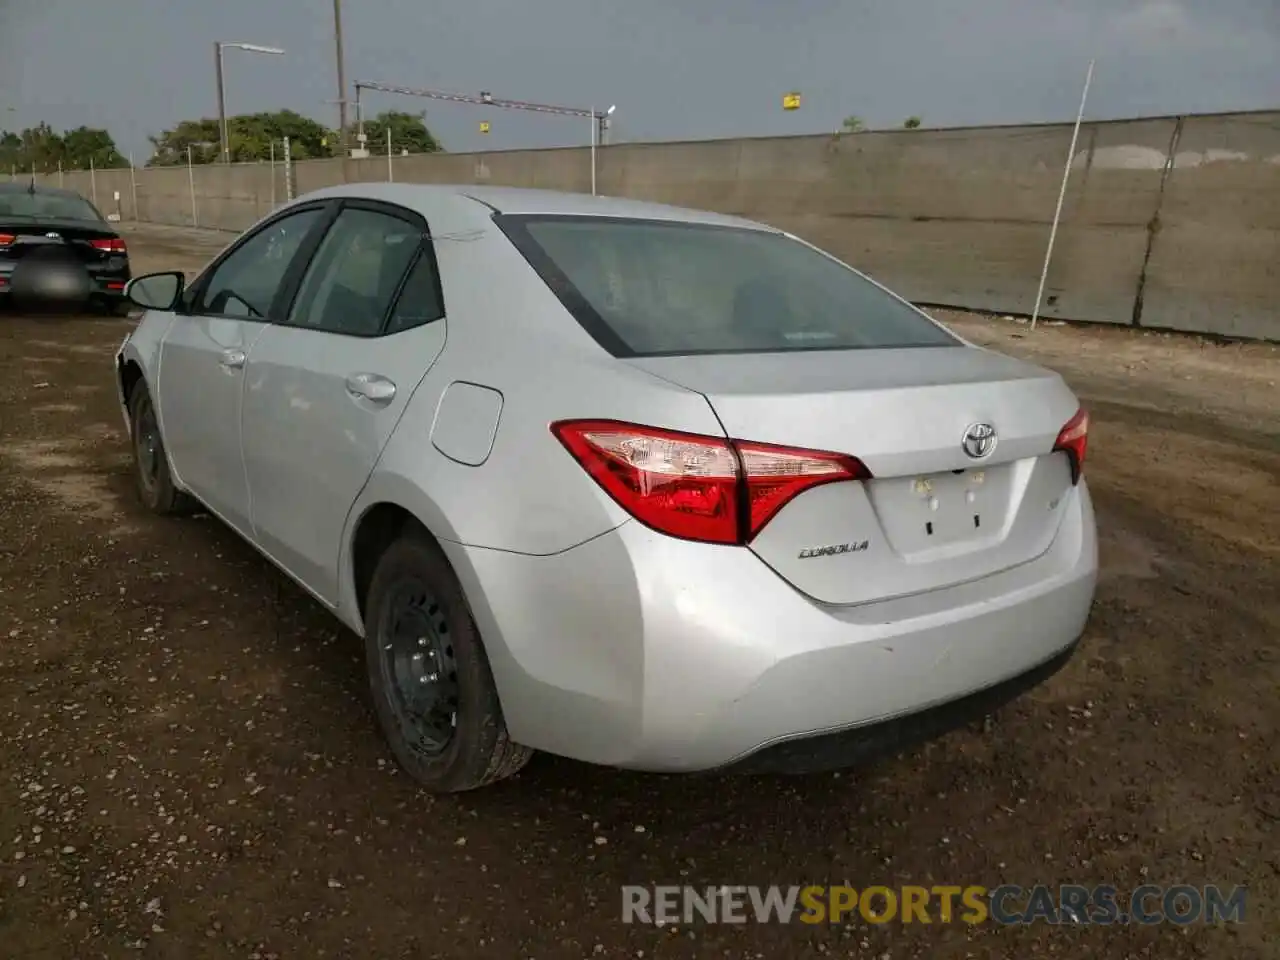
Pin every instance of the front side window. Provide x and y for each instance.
(356, 272)
(649, 287)
(247, 281)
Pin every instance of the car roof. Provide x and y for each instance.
(519, 200)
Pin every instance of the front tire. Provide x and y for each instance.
(150, 462)
(432, 686)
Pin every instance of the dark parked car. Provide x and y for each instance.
(57, 250)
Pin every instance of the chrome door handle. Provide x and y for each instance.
(371, 386)
(233, 359)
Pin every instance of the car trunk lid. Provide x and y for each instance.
(932, 515)
(21, 238)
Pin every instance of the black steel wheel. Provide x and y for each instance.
(419, 669)
(430, 679)
(151, 465)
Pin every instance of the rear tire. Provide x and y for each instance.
(432, 686)
(150, 462)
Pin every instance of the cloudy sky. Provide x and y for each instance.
(677, 69)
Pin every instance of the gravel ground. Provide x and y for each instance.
(189, 766)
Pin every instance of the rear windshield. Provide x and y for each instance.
(653, 288)
(48, 206)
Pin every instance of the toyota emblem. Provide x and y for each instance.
(979, 440)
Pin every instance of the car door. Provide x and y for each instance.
(326, 385)
(202, 358)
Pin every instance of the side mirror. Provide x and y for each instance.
(156, 291)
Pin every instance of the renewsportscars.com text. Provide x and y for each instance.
(1007, 904)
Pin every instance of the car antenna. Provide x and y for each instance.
(31, 187)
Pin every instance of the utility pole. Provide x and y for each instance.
(342, 77)
(225, 151)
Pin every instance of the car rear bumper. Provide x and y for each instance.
(638, 650)
(98, 284)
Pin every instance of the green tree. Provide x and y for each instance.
(85, 145)
(199, 136)
(408, 132)
(42, 149)
(10, 151)
(853, 124)
(250, 137)
(911, 123)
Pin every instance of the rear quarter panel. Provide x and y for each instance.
(508, 332)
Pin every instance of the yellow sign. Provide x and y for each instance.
(484, 126)
(791, 101)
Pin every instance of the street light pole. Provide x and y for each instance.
(223, 146)
(218, 47)
(342, 76)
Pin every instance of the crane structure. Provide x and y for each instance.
(484, 99)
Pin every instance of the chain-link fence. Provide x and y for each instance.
(218, 196)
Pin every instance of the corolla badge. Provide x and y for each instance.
(979, 440)
(833, 549)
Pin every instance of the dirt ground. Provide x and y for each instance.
(189, 767)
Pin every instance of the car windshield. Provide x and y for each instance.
(651, 288)
(50, 206)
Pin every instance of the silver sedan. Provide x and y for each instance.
(637, 485)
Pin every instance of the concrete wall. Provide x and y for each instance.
(1167, 222)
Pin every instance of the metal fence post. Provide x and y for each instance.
(59, 173)
(1062, 193)
(288, 171)
(191, 178)
(390, 173)
(133, 187)
(93, 182)
(273, 173)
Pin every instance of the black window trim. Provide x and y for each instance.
(515, 227)
(293, 279)
(195, 293)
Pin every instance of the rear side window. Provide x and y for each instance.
(420, 301)
(652, 288)
(353, 278)
(49, 206)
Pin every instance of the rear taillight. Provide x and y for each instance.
(110, 245)
(6, 239)
(1073, 440)
(698, 487)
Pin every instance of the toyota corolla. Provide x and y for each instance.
(637, 485)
